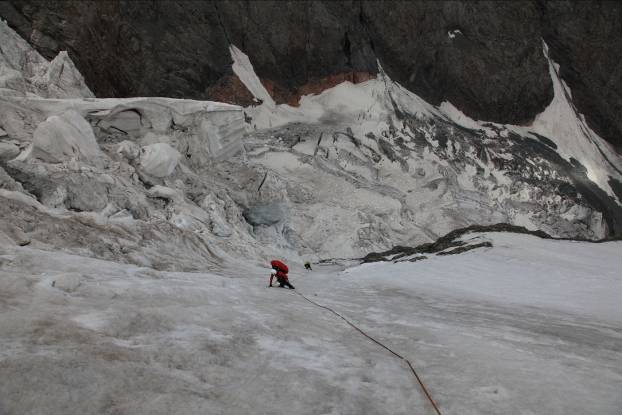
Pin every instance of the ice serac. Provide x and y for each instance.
(158, 160)
(243, 68)
(562, 123)
(113, 172)
(356, 168)
(203, 130)
(62, 79)
(24, 71)
(101, 157)
(373, 162)
(591, 163)
(63, 137)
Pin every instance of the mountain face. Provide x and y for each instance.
(483, 57)
(329, 164)
(357, 168)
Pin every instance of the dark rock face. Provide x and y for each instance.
(585, 38)
(484, 57)
(444, 244)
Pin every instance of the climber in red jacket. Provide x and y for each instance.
(280, 270)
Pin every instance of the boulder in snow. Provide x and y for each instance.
(158, 160)
(67, 282)
(64, 137)
(17, 235)
(167, 193)
(8, 183)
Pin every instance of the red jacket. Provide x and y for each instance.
(281, 271)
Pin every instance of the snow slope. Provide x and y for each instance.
(566, 127)
(571, 277)
(529, 326)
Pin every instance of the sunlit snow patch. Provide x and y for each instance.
(561, 123)
(243, 68)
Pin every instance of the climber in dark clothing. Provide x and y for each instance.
(280, 270)
(282, 279)
(308, 266)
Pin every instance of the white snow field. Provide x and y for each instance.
(529, 326)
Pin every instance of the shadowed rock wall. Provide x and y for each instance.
(484, 57)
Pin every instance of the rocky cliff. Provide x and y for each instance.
(483, 57)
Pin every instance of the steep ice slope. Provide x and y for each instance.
(528, 326)
(572, 277)
(566, 128)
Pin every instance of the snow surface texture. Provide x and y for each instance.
(530, 326)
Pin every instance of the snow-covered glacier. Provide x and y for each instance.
(357, 168)
(135, 232)
(411, 172)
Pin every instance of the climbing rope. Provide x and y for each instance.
(394, 353)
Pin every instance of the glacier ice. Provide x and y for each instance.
(158, 160)
(63, 137)
(353, 169)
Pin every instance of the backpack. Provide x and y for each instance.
(279, 266)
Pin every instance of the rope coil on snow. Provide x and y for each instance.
(410, 365)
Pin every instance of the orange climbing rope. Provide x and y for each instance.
(412, 368)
